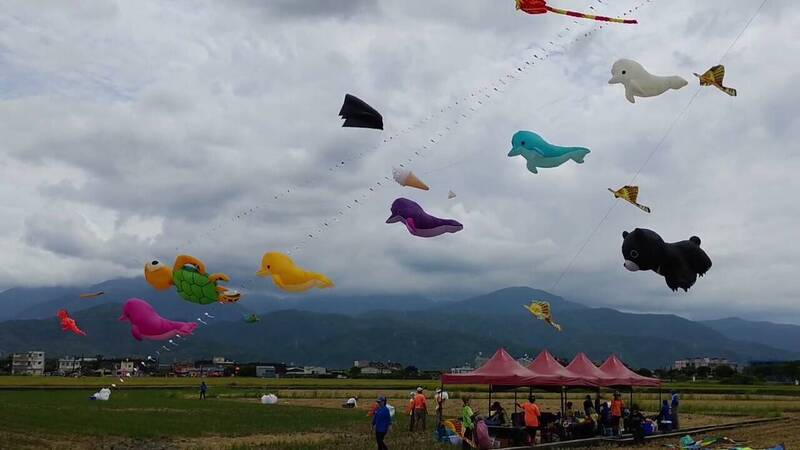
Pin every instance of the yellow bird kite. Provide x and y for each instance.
(629, 194)
(541, 310)
(713, 77)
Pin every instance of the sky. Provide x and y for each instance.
(133, 131)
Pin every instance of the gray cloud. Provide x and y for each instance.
(146, 128)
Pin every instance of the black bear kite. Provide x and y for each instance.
(678, 262)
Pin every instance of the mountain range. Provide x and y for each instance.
(334, 330)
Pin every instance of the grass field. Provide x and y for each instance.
(161, 413)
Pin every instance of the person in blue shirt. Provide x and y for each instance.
(381, 423)
(674, 405)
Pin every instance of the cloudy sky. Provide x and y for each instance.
(132, 130)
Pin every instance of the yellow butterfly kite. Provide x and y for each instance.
(629, 194)
(713, 77)
(541, 310)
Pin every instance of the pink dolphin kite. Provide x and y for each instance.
(147, 324)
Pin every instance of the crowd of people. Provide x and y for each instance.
(597, 417)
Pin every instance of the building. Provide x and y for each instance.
(463, 369)
(266, 372)
(377, 368)
(706, 361)
(28, 363)
(221, 361)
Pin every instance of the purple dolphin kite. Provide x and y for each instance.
(147, 324)
(420, 223)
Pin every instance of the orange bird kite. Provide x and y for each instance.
(68, 323)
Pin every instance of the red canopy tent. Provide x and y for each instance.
(619, 375)
(500, 370)
(582, 366)
(549, 367)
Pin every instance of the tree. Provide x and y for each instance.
(724, 371)
(703, 372)
(410, 372)
(645, 372)
(354, 372)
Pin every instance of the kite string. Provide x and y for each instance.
(493, 87)
(395, 136)
(658, 146)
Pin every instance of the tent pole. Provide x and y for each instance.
(515, 401)
(490, 401)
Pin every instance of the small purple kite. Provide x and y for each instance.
(420, 223)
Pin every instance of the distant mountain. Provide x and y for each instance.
(434, 335)
(16, 300)
(40, 303)
(777, 335)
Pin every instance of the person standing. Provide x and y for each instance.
(617, 405)
(440, 398)
(410, 411)
(665, 417)
(203, 389)
(532, 414)
(420, 409)
(674, 403)
(466, 422)
(588, 406)
(381, 423)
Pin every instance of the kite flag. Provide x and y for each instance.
(68, 323)
(541, 310)
(678, 262)
(629, 194)
(146, 323)
(92, 294)
(418, 222)
(713, 77)
(188, 275)
(288, 276)
(539, 153)
(252, 318)
(407, 178)
(639, 82)
(358, 114)
(541, 7)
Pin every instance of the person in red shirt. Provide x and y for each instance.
(532, 414)
(420, 409)
(617, 405)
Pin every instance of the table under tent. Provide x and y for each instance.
(502, 373)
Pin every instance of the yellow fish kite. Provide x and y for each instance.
(288, 277)
(541, 310)
(713, 77)
(629, 194)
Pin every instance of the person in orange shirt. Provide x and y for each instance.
(410, 411)
(420, 409)
(617, 405)
(532, 414)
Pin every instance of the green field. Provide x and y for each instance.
(54, 412)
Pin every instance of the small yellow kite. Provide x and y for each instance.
(713, 77)
(541, 310)
(629, 194)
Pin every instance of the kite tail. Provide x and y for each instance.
(727, 90)
(643, 208)
(589, 16)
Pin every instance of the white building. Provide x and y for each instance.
(463, 369)
(28, 363)
(706, 361)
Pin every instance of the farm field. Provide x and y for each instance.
(151, 413)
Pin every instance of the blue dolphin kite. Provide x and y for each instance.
(540, 153)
